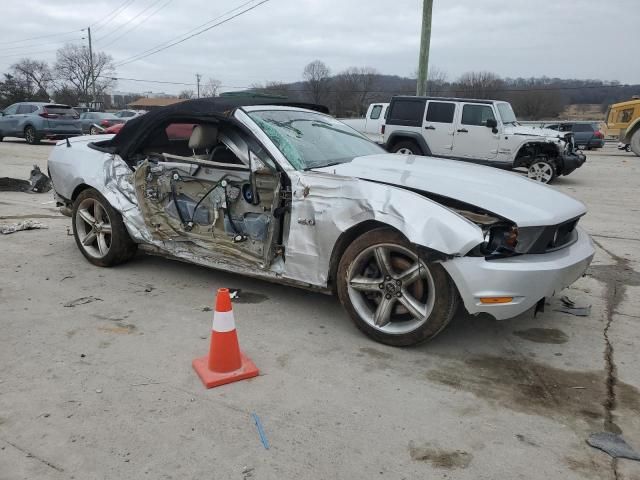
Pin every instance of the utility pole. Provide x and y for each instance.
(425, 40)
(198, 77)
(93, 75)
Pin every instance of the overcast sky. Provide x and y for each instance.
(557, 38)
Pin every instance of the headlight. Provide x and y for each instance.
(500, 240)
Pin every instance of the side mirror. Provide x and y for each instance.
(492, 123)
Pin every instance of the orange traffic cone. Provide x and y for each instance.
(225, 362)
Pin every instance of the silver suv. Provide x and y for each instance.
(35, 121)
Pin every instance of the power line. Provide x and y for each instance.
(187, 32)
(111, 16)
(392, 91)
(140, 57)
(136, 24)
(41, 36)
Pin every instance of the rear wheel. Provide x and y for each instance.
(406, 147)
(99, 230)
(542, 170)
(391, 293)
(93, 131)
(635, 142)
(30, 136)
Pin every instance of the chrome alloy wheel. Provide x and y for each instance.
(391, 289)
(540, 171)
(93, 227)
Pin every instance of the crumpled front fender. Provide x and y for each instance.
(324, 206)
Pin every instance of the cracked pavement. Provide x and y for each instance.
(104, 389)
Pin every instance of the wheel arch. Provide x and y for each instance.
(347, 237)
(401, 135)
(78, 190)
(631, 129)
(523, 157)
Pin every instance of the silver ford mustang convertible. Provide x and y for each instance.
(284, 192)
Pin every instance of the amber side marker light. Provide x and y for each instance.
(492, 300)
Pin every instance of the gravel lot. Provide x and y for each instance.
(105, 389)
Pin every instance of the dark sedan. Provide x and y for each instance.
(95, 122)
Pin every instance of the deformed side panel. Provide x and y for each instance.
(324, 206)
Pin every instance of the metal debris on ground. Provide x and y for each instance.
(38, 183)
(570, 307)
(8, 228)
(263, 436)
(82, 301)
(613, 444)
(234, 293)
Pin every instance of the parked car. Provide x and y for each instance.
(129, 114)
(93, 122)
(35, 121)
(478, 131)
(371, 124)
(289, 194)
(587, 135)
(624, 119)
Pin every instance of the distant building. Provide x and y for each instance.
(145, 103)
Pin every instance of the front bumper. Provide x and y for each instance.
(526, 278)
(571, 161)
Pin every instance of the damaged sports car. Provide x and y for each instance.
(284, 192)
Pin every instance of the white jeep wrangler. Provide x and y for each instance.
(479, 131)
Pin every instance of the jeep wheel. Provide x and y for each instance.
(542, 170)
(634, 143)
(406, 148)
(30, 136)
(393, 294)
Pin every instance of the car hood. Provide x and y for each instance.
(532, 131)
(509, 195)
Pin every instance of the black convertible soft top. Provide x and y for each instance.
(137, 129)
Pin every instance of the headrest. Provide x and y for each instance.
(203, 136)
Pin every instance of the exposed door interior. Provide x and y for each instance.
(205, 183)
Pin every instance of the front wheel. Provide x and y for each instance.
(99, 230)
(93, 131)
(30, 136)
(542, 170)
(391, 293)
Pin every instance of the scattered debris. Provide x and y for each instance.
(263, 437)
(68, 276)
(234, 293)
(570, 307)
(98, 390)
(247, 472)
(37, 183)
(613, 444)
(206, 309)
(82, 301)
(25, 225)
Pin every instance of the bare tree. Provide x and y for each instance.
(187, 94)
(73, 68)
(317, 78)
(211, 88)
(35, 75)
(479, 85)
(352, 90)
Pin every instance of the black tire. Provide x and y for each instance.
(634, 142)
(121, 248)
(445, 297)
(31, 136)
(407, 147)
(93, 131)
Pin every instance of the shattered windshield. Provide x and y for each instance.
(311, 140)
(506, 113)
